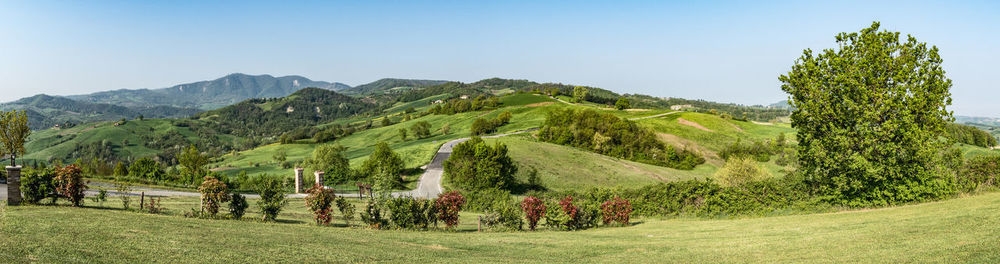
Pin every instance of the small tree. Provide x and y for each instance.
(330, 159)
(481, 127)
(421, 129)
(238, 206)
(213, 193)
(120, 169)
(146, 168)
(346, 209)
(280, 156)
(475, 165)
(319, 201)
(449, 205)
(384, 166)
(272, 196)
(70, 184)
(446, 129)
(124, 191)
(14, 130)
(579, 94)
(616, 210)
(192, 164)
(402, 133)
(623, 103)
(534, 209)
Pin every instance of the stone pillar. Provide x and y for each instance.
(13, 185)
(319, 178)
(298, 180)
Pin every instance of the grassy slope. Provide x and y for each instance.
(415, 153)
(563, 168)
(58, 143)
(958, 230)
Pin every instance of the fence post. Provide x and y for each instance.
(480, 228)
(142, 200)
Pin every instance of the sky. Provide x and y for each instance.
(726, 51)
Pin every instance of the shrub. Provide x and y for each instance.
(38, 184)
(504, 215)
(449, 205)
(740, 171)
(346, 209)
(475, 165)
(758, 150)
(421, 129)
(213, 194)
(69, 184)
(123, 190)
(146, 168)
(567, 216)
(534, 210)
(616, 210)
(484, 200)
(403, 212)
(320, 201)
(272, 196)
(372, 215)
(385, 167)
(238, 206)
(979, 172)
(102, 195)
(154, 206)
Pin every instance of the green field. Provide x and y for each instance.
(958, 230)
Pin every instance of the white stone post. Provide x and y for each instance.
(298, 180)
(319, 178)
(13, 185)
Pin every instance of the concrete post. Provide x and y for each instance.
(298, 180)
(13, 185)
(319, 178)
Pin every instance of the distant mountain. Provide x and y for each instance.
(46, 111)
(986, 121)
(208, 95)
(389, 85)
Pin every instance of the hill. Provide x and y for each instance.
(207, 95)
(272, 117)
(46, 111)
(389, 85)
(961, 230)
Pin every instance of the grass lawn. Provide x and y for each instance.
(958, 230)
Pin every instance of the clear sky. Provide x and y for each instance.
(715, 50)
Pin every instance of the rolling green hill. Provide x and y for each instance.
(389, 85)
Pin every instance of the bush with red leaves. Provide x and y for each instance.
(534, 209)
(448, 205)
(616, 210)
(69, 184)
(320, 201)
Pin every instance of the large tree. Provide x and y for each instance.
(384, 167)
(330, 159)
(14, 130)
(870, 115)
(192, 164)
(474, 165)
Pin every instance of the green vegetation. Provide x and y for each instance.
(613, 136)
(970, 135)
(13, 132)
(943, 228)
(473, 165)
(884, 153)
(384, 168)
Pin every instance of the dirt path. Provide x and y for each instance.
(653, 116)
(692, 124)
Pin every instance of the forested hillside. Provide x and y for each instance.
(271, 117)
(46, 111)
(389, 85)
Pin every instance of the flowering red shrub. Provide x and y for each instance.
(449, 204)
(534, 209)
(320, 201)
(568, 207)
(616, 210)
(213, 193)
(69, 184)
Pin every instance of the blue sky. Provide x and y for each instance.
(716, 50)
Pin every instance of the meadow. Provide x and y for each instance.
(958, 230)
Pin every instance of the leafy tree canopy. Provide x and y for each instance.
(870, 115)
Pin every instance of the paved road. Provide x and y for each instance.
(429, 185)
